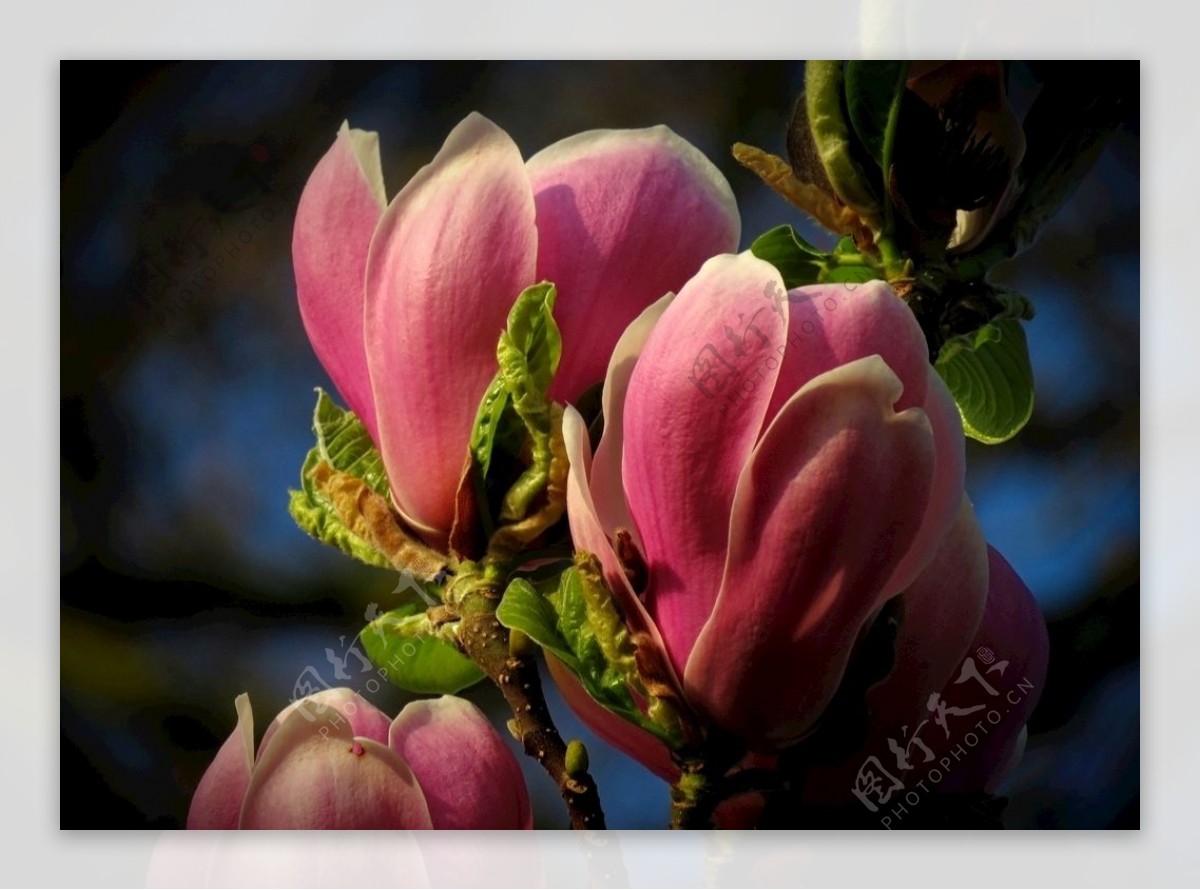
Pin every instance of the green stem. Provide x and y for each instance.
(893, 259)
(852, 259)
(702, 784)
(693, 798)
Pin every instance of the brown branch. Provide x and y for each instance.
(486, 641)
(473, 600)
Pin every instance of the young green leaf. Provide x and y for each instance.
(512, 443)
(850, 273)
(318, 519)
(872, 89)
(343, 442)
(832, 138)
(991, 379)
(530, 349)
(798, 261)
(527, 354)
(414, 655)
(523, 608)
(579, 623)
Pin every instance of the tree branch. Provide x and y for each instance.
(487, 642)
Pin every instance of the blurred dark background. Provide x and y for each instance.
(187, 388)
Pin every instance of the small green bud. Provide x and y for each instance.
(577, 758)
(520, 644)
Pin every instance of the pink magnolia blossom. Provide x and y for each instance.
(404, 301)
(1007, 648)
(333, 760)
(965, 718)
(785, 463)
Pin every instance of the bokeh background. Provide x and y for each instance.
(187, 389)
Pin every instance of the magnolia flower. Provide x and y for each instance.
(961, 713)
(404, 301)
(784, 464)
(333, 760)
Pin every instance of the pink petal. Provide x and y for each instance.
(218, 797)
(589, 535)
(974, 750)
(335, 219)
(623, 217)
(333, 707)
(607, 486)
(947, 492)
(1012, 630)
(832, 324)
(319, 775)
(696, 401)
(830, 501)
(942, 611)
(469, 776)
(452, 253)
(618, 732)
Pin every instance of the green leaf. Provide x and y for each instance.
(523, 608)
(492, 422)
(850, 273)
(991, 379)
(845, 247)
(579, 623)
(832, 137)
(798, 261)
(343, 441)
(513, 428)
(872, 89)
(527, 354)
(415, 656)
(983, 334)
(317, 519)
(970, 315)
(532, 346)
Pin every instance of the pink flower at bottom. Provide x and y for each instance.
(334, 761)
